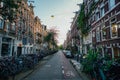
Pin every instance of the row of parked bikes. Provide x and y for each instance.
(10, 66)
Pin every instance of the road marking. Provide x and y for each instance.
(63, 70)
(62, 67)
(70, 73)
(48, 65)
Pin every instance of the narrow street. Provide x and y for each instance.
(34, 34)
(57, 68)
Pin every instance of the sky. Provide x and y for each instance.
(62, 11)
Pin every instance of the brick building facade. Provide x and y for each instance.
(105, 25)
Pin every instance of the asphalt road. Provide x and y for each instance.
(57, 67)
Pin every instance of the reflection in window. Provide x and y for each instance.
(111, 4)
(114, 30)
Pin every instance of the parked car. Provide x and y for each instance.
(68, 53)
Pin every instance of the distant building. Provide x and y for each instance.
(38, 34)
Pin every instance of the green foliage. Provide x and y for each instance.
(107, 65)
(61, 47)
(10, 3)
(88, 62)
(92, 7)
(50, 38)
(9, 9)
(82, 21)
(91, 58)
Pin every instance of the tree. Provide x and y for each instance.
(51, 38)
(61, 47)
(8, 10)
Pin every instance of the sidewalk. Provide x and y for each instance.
(78, 67)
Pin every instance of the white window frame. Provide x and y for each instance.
(1, 23)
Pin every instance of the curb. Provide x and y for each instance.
(21, 75)
(26, 75)
(77, 67)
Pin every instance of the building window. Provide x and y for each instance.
(102, 12)
(104, 34)
(93, 34)
(96, 0)
(97, 16)
(116, 52)
(114, 30)
(93, 18)
(98, 34)
(119, 25)
(8, 26)
(6, 46)
(13, 26)
(111, 4)
(1, 23)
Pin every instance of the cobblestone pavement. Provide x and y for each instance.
(57, 68)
